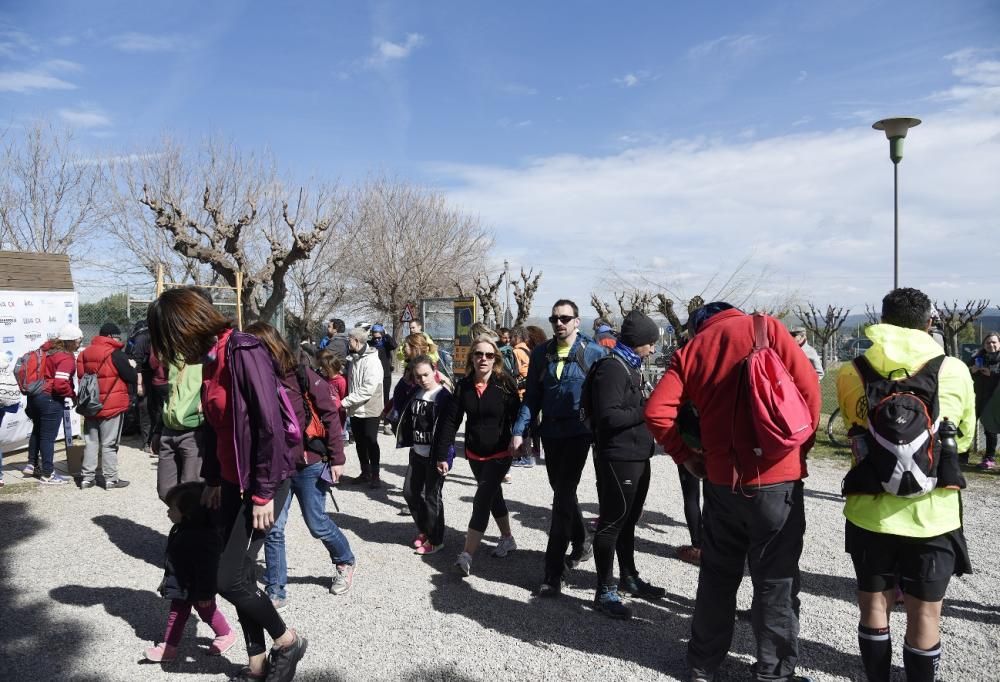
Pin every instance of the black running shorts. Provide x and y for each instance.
(923, 565)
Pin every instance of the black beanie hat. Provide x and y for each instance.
(110, 329)
(638, 330)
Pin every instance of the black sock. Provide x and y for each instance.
(876, 652)
(921, 665)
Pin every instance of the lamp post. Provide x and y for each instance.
(895, 129)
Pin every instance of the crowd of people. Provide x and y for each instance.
(240, 423)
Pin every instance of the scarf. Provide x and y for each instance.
(627, 354)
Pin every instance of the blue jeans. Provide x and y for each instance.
(310, 490)
(46, 415)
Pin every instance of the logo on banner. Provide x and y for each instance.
(53, 318)
(8, 339)
(33, 335)
(6, 304)
(28, 303)
(67, 304)
(9, 355)
(69, 317)
(31, 320)
(7, 320)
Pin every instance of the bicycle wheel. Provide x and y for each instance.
(836, 431)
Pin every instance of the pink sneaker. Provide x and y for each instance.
(222, 644)
(161, 653)
(419, 541)
(428, 548)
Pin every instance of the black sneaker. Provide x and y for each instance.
(550, 589)
(637, 587)
(113, 485)
(281, 663)
(609, 603)
(244, 675)
(86, 485)
(582, 554)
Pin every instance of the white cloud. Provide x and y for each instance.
(145, 42)
(65, 41)
(518, 89)
(802, 76)
(387, 51)
(85, 118)
(16, 44)
(728, 46)
(26, 81)
(813, 210)
(629, 80)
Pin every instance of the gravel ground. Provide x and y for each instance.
(79, 571)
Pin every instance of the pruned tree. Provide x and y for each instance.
(602, 308)
(872, 316)
(488, 293)
(524, 294)
(822, 325)
(407, 243)
(318, 286)
(665, 306)
(635, 299)
(956, 318)
(49, 194)
(230, 212)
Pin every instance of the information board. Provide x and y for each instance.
(465, 317)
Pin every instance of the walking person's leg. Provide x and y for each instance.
(374, 453)
(361, 445)
(638, 473)
(434, 503)
(168, 462)
(565, 459)
(110, 431)
(176, 620)
(51, 418)
(613, 502)
(413, 491)
(35, 438)
(209, 613)
(275, 576)
(190, 446)
(489, 480)
(691, 492)
(91, 451)
(311, 491)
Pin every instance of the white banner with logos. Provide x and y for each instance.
(27, 319)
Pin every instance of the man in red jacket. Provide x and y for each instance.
(115, 374)
(753, 508)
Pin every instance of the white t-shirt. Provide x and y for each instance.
(422, 410)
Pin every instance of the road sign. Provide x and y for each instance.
(407, 315)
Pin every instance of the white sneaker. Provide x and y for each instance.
(464, 563)
(505, 546)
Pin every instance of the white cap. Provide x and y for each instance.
(70, 332)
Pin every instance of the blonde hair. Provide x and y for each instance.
(500, 373)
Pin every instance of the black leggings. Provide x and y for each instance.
(691, 490)
(489, 491)
(365, 430)
(237, 567)
(621, 492)
(422, 492)
(564, 462)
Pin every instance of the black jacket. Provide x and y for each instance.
(385, 352)
(489, 420)
(620, 424)
(192, 561)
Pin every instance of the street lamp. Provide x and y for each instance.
(895, 129)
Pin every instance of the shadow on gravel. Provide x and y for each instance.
(823, 495)
(134, 539)
(452, 478)
(33, 644)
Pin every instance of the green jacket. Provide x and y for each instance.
(893, 348)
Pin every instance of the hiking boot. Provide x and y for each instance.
(86, 485)
(637, 587)
(505, 546)
(53, 479)
(281, 663)
(987, 464)
(343, 578)
(161, 653)
(114, 485)
(464, 563)
(222, 644)
(550, 589)
(608, 602)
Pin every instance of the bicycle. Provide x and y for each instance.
(836, 430)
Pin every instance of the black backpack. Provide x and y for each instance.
(587, 390)
(901, 451)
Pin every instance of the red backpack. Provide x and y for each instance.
(30, 372)
(780, 415)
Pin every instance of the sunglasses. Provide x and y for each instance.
(565, 319)
(484, 354)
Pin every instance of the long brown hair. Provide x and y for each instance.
(182, 325)
(418, 342)
(500, 373)
(330, 364)
(270, 337)
(536, 336)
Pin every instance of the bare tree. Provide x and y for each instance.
(665, 306)
(823, 325)
(48, 193)
(408, 244)
(318, 285)
(524, 294)
(602, 308)
(872, 316)
(634, 299)
(956, 318)
(229, 211)
(489, 302)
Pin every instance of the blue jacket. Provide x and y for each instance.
(557, 399)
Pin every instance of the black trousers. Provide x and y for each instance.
(489, 491)
(365, 431)
(691, 492)
(237, 582)
(763, 527)
(422, 492)
(564, 462)
(621, 492)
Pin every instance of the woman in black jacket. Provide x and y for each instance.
(623, 446)
(487, 399)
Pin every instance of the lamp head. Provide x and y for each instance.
(895, 129)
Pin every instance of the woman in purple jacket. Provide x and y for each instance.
(247, 461)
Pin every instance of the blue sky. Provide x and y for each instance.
(658, 142)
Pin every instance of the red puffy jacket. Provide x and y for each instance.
(96, 359)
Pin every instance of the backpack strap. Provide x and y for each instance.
(866, 371)
(760, 331)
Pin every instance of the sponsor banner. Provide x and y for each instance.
(27, 320)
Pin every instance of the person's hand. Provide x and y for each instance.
(515, 444)
(442, 468)
(696, 466)
(211, 496)
(337, 470)
(263, 516)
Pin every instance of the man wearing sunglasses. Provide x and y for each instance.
(556, 372)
